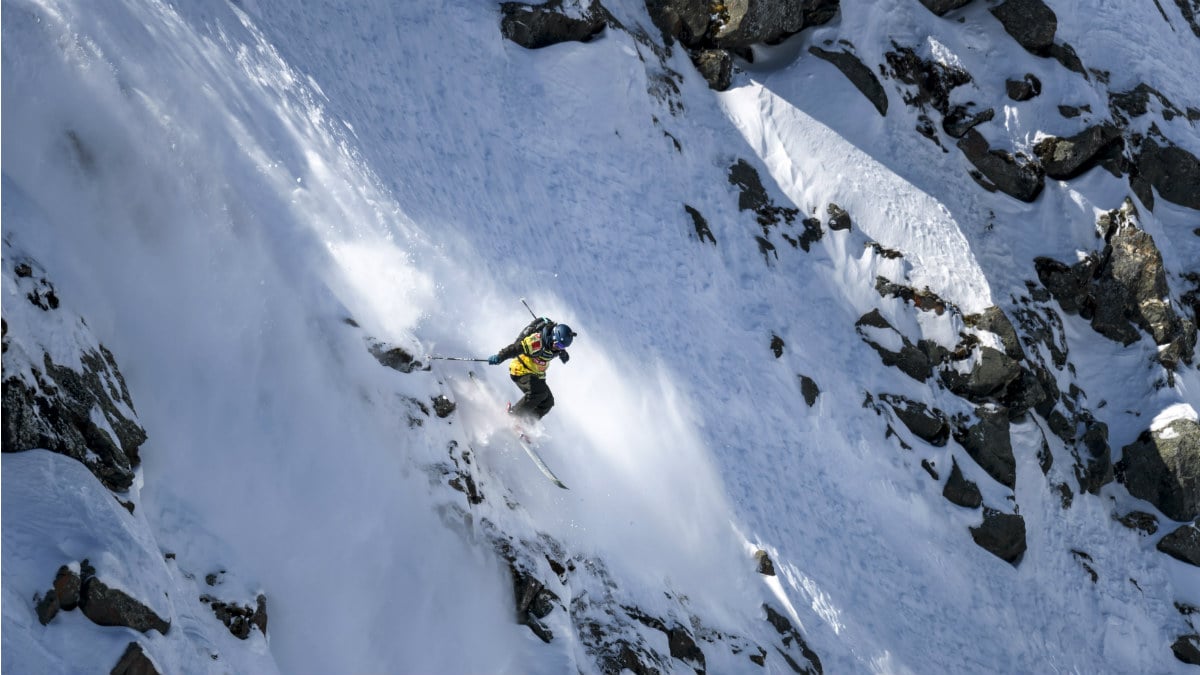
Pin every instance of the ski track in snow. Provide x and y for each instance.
(240, 179)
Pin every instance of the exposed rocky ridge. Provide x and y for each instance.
(555, 589)
(64, 393)
(1122, 289)
(50, 405)
(76, 586)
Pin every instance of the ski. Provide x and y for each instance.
(523, 439)
(527, 446)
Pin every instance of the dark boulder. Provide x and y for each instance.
(1187, 647)
(134, 662)
(1173, 171)
(537, 26)
(858, 74)
(915, 360)
(988, 379)
(1030, 22)
(1163, 467)
(108, 606)
(809, 390)
(1024, 89)
(1003, 172)
(989, 443)
(926, 423)
(1065, 158)
(995, 321)
(960, 491)
(1095, 469)
(765, 567)
(716, 66)
(1002, 535)
(1182, 544)
(839, 219)
(930, 81)
(941, 7)
(238, 618)
(1145, 523)
(960, 119)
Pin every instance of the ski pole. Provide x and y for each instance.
(527, 307)
(454, 358)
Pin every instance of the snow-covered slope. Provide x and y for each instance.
(243, 200)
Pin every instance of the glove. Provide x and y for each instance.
(494, 359)
(564, 356)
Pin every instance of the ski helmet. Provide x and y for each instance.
(562, 336)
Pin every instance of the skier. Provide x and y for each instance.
(538, 344)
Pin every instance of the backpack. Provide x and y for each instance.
(540, 324)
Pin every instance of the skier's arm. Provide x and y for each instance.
(510, 351)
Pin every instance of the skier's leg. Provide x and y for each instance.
(540, 397)
(525, 406)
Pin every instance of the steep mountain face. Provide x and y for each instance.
(887, 359)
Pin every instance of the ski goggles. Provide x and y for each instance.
(559, 345)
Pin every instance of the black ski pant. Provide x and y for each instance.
(537, 400)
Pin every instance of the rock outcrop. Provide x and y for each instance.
(1163, 467)
(84, 411)
(537, 26)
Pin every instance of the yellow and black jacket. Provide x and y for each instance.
(532, 353)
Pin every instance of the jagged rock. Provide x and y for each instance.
(1182, 544)
(915, 360)
(941, 7)
(959, 120)
(1190, 9)
(1065, 158)
(443, 407)
(989, 377)
(537, 26)
(928, 424)
(1030, 22)
(1097, 467)
(809, 390)
(56, 413)
(932, 80)
(737, 25)
(753, 197)
(134, 662)
(1187, 647)
(995, 321)
(113, 607)
(839, 219)
(924, 299)
(239, 619)
(1001, 169)
(1125, 282)
(1163, 467)
(1141, 521)
(793, 638)
(47, 607)
(765, 566)
(1002, 535)
(960, 491)
(67, 586)
(533, 602)
(1024, 89)
(700, 224)
(777, 345)
(396, 358)
(716, 66)
(858, 74)
(989, 443)
(1173, 171)
(1135, 103)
